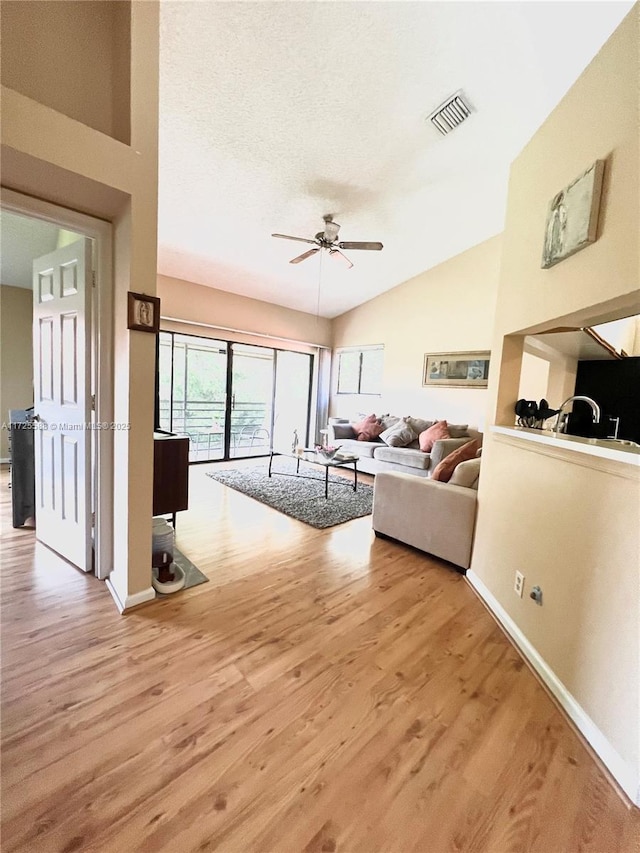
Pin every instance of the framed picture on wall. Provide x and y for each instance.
(143, 312)
(456, 369)
(572, 216)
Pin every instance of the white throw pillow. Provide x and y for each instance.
(399, 435)
(466, 474)
(388, 421)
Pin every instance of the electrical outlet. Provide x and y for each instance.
(519, 584)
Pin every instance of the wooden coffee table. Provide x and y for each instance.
(310, 456)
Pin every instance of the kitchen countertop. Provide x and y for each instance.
(618, 452)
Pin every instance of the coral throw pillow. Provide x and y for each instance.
(371, 432)
(368, 429)
(361, 426)
(444, 470)
(427, 438)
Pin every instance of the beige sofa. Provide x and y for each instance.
(376, 456)
(435, 517)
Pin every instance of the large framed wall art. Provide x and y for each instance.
(456, 369)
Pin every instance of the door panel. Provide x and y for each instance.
(251, 400)
(61, 326)
(191, 387)
(293, 377)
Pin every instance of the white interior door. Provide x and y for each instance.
(62, 401)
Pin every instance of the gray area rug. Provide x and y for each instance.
(300, 496)
(193, 575)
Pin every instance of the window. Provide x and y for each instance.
(232, 399)
(360, 370)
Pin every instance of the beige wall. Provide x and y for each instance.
(16, 355)
(216, 309)
(571, 526)
(72, 56)
(47, 154)
(449, 308)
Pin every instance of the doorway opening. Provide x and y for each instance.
(55, 378)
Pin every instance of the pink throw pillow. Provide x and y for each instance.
(427, 439)
(371, 432)
(364, 424)
(444, 470)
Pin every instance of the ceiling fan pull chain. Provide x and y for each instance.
(319, 286)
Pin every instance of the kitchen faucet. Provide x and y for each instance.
(560, 422)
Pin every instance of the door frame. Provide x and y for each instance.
(100, 231)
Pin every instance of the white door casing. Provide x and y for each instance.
(62, 401)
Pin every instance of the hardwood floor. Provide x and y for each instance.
(325, 691)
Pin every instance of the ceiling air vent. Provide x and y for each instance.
(450, 113)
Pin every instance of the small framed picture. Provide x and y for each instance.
(143, 312)
(456, 369)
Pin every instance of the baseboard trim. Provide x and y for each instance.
(131, 601)
(623, 775)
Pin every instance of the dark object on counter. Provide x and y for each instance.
(23, 481)
(544, 412)
(532, 415)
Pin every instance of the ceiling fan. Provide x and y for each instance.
(328, 239)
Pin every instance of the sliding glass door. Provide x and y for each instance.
(232, 399)
(292, 399)
(252, 378)
(193, 382)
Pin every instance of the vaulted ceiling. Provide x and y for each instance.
(273, 114)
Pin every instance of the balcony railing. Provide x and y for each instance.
(203, 422)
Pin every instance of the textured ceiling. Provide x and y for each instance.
(21, 240)
(273, 114)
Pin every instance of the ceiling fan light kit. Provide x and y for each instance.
(328, 239)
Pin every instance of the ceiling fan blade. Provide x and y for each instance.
(304, 255)
(334, 253)
(298, 239)
(372, 246)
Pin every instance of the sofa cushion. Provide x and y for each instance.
(419, 425)
(466, 474)
(458, 430)
(360, 448)
(402, 456)
(398, 435)
(434, 433)
(444, 470)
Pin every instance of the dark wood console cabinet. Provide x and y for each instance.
(170, 474)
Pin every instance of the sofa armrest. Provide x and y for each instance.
(340, 432)
(443, 447)
(435, 517)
